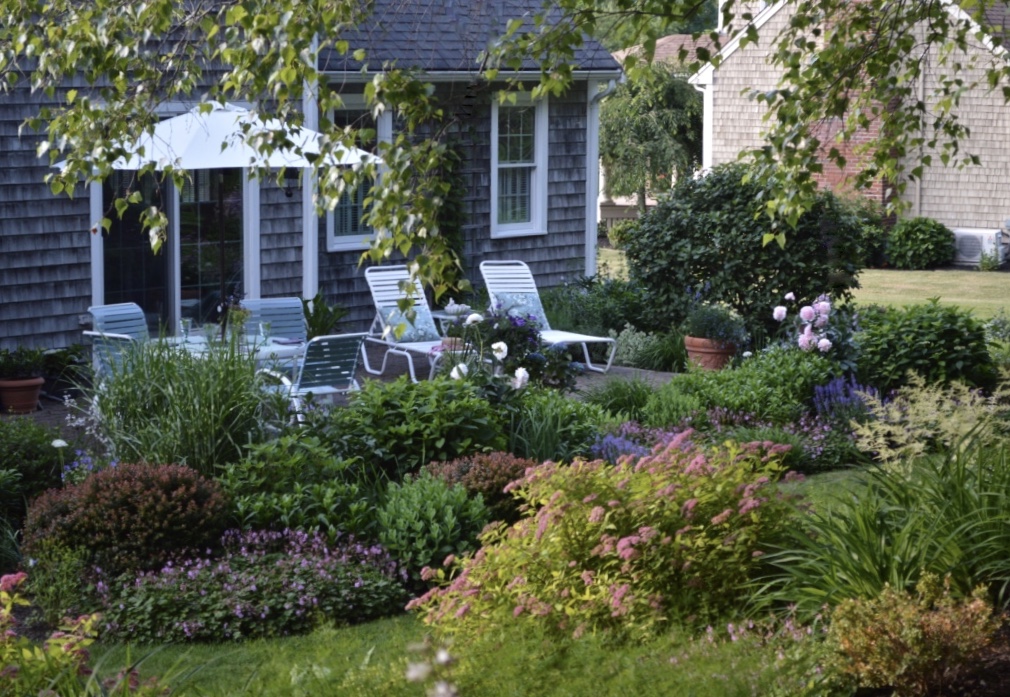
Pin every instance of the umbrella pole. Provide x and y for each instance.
(220, 232)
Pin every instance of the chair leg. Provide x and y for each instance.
(610, 358)
(368, 368)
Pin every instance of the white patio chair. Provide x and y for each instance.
(326, 368)
(286, 317)
(115, 329)
(512, 288)
(420, 337)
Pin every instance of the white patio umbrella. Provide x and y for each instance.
(223, 137)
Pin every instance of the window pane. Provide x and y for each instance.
(516, 134)
(350, 210)
(514, 195)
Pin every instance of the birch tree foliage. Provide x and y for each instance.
(105, 66)
(849, 69)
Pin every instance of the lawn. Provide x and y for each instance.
(985, 294)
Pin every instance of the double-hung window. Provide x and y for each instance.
(345, 226)
(518, 167)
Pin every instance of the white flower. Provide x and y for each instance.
(443, 689)
(442, 657)
(790, 296)
(779, 313)
(473, 319)
(522, 377)
(416, 672)
(459, 372)
(747, 354)
(824, 345)
(500, 350)
(59, 443)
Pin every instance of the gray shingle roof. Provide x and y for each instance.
(443, 36)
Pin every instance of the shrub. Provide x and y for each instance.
(554, 427)
(712, 230)
(296, 483)
(594, 305)
(425, 519)
(620, 396)
(27, 449)
(774, 386)
(265, 584)
(486, 474)
(944, 516)
(128, 517)
(918, 644)
(163, 405)
(628, 549)
(55, 583)
(398, 427)
(920, 243)
(940, 343)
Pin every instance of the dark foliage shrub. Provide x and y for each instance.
(425, 519)
(594, 305)
(398, 427)
(486, 474)
(131, 516)
(920, 243)
(265, 584)
(296, 483)
(940, 343)
(710, 233)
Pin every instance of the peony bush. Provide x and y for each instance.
(671, 536)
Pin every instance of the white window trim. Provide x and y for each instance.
(384, 134)
(538, 184)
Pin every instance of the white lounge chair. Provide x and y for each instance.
(419, 337)
(512, 288)
(286, 317)
(115, 328)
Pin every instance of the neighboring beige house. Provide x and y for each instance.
(972, 199)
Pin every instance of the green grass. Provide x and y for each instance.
(371, 660)
(612, 263)
(984, 293)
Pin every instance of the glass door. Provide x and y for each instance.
(210, 242)
(131, 272)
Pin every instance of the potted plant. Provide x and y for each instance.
(20, 379)
(712, 334)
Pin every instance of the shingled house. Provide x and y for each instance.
(970, 198)
(542, 210)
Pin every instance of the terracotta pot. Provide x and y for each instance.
(20, 396)
(707, 354)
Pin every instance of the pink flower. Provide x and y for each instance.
(596, 515)
(805, 341)
(807, 313)
(823, 308)
(687, 510)
(722, 517)
(779, 313)
(10, 582)
(790, 296)
(824, 345)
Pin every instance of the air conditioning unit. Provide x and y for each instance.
(972, 243)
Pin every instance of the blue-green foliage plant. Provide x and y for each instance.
(425, 519)
(776, 385)
(297, 483)
(712, 230)
(941, 343)
(397, 427)
(264, 584)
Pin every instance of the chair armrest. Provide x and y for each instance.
(108, 335)
(281, 377)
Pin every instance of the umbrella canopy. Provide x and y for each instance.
(222, 138)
